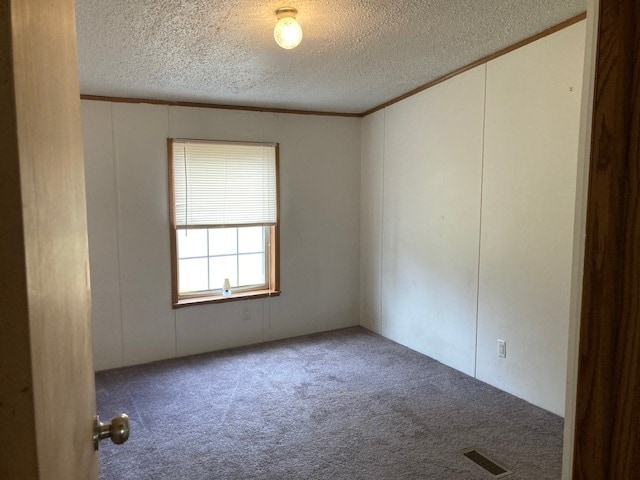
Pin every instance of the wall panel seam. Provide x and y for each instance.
(382, 201)
(484, 133)
(116, 189)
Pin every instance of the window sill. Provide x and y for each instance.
(186, 302)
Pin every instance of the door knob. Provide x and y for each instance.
(117, 429)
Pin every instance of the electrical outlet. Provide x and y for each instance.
(246, 314)
(502, 348)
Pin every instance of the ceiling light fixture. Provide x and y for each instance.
(287, 32)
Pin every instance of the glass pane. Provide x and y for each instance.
(193, 275)
(221, 268)
(250, 239)
(192, 243)
(223, 241)
(251, 269)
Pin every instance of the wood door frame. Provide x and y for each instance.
(607, 416)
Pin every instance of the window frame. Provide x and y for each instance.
(272, 248)
(242, 288)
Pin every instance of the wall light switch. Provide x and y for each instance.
(502, 348)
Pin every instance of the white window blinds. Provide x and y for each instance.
(220, 184)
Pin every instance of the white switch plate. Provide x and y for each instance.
(502, 348)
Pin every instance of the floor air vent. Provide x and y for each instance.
(489, 465)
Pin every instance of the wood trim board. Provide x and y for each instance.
(102, 98)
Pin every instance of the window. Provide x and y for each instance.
(224, 220)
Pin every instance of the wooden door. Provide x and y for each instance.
(47, 397)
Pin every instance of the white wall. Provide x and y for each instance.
(127, 203)
(475, 181)
(431, 219)
(420, 219)
(528, 204)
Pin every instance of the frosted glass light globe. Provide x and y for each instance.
(288, 33)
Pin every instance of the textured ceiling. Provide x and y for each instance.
(355, 54)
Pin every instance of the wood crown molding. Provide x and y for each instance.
(488, 58)
(170, 103)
